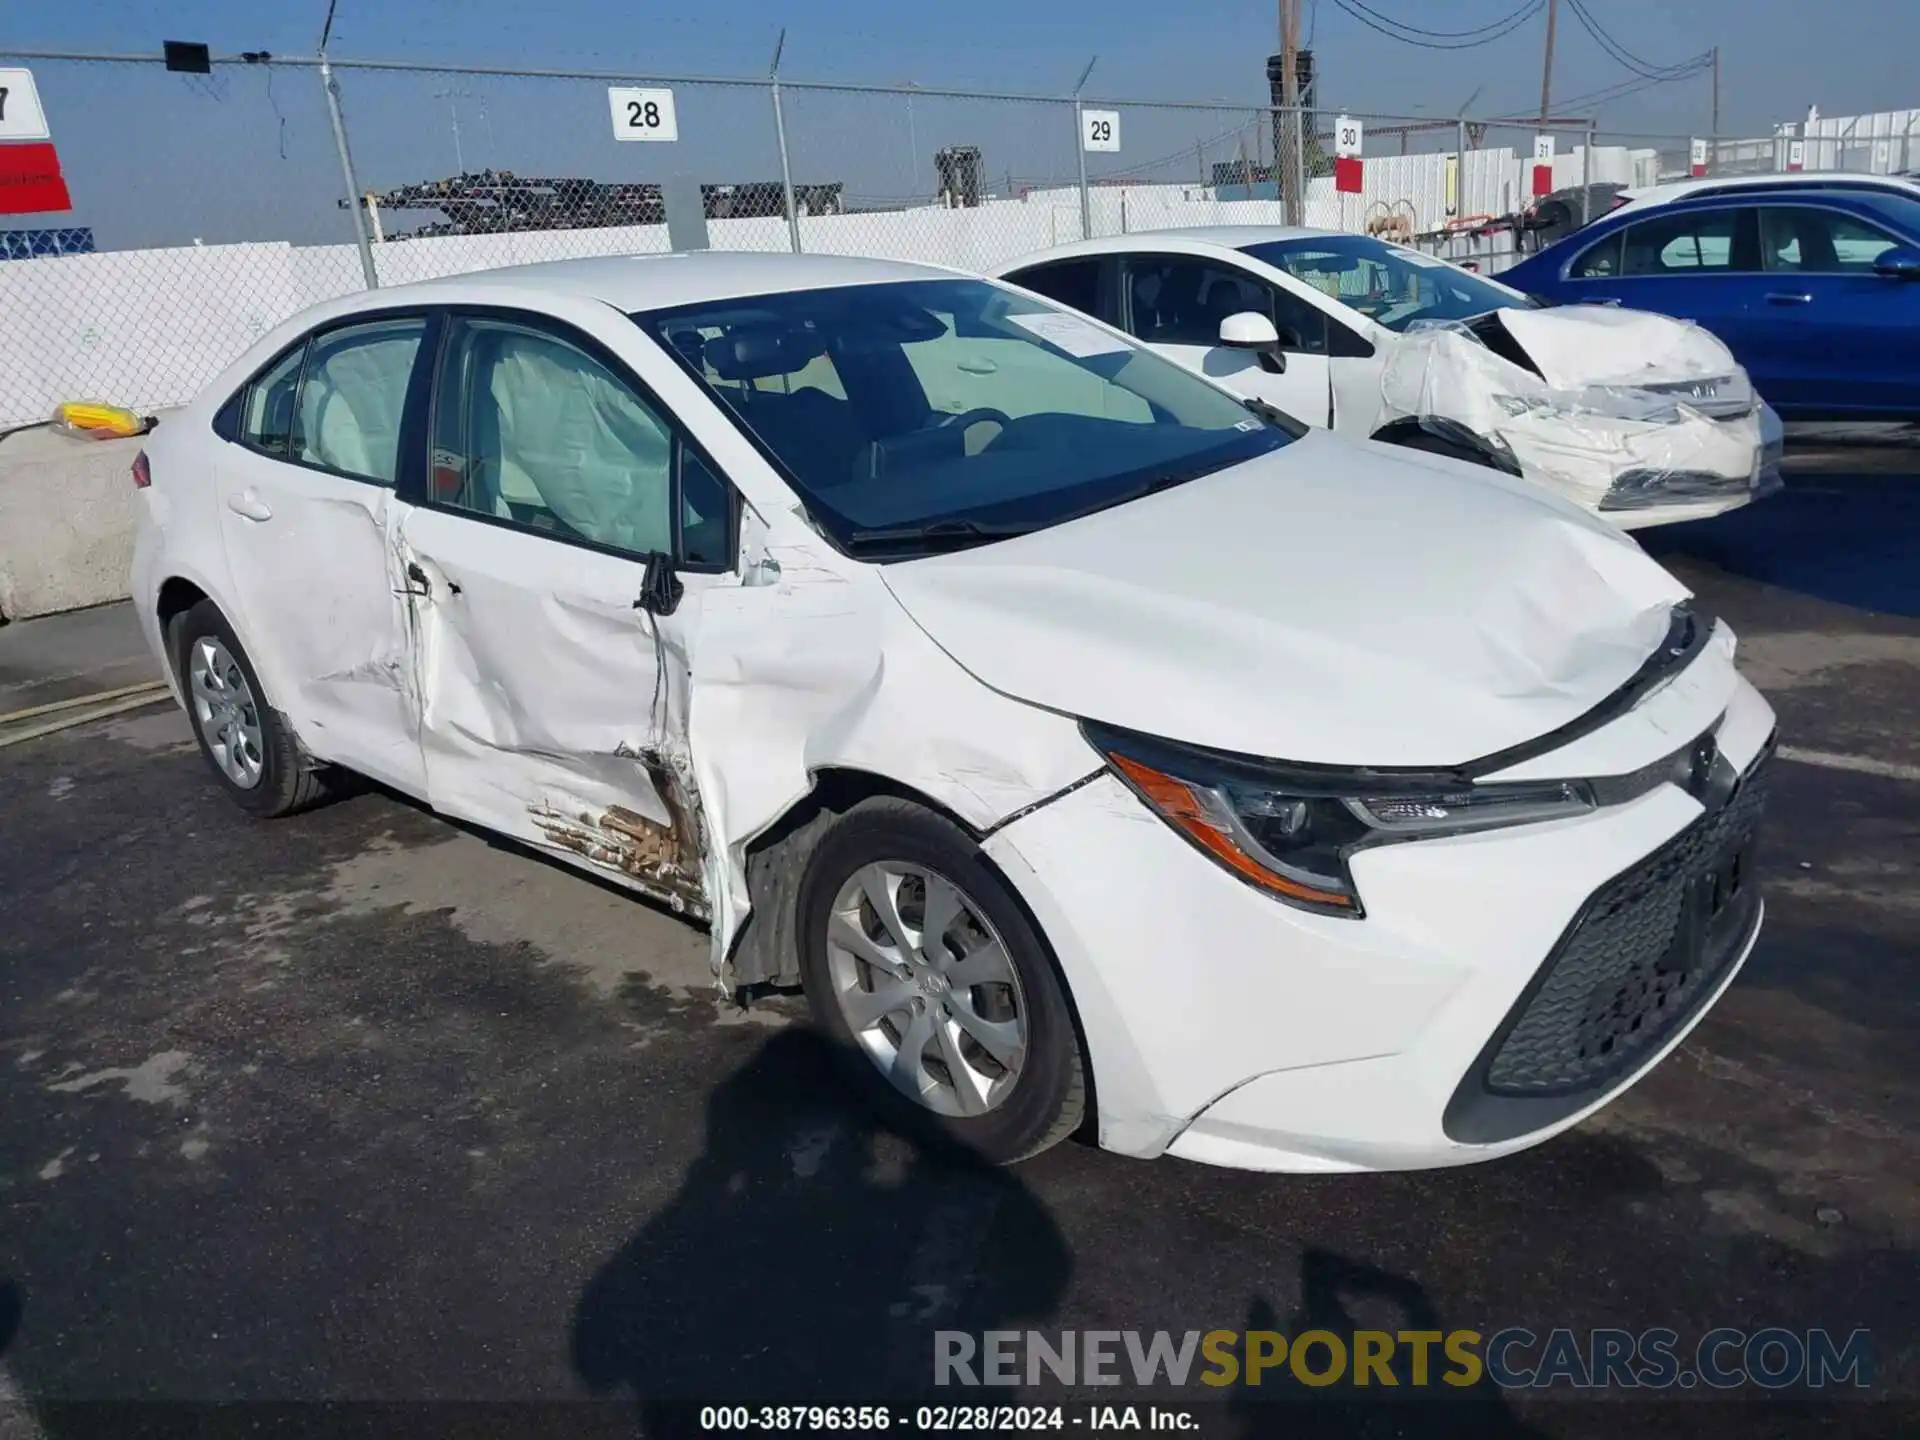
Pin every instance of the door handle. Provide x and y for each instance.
(1781, 297)
(421, 585)
(251, 506)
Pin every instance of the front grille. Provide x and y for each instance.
(1645, 952)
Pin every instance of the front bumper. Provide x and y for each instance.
(1227, 1027)
(1639, 474)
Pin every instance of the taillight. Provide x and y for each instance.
(142, 475)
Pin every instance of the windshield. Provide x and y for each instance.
(924, 414)
(1389, 285)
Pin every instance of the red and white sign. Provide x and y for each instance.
(1542, 165)
(1348, 173)
(1796, 155)
(30, 180)
(21, 117)
(1697, 157)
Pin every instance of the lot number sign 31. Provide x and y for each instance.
(642, 114)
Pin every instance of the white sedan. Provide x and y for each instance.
(1090, 749)
(1639, 417)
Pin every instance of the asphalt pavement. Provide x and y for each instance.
(361, 1106)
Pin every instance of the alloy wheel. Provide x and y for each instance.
(927, 987)
(226, 712)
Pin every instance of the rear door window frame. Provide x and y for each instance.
(231, 417)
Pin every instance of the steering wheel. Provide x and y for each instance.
(967, 419)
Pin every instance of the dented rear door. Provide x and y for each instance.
(554, 704)
(310, 518)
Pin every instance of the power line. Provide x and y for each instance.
(1438, 39)
(1644, 68)
(1515, 17)
(1623, 88)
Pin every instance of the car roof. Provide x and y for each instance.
(1200, 239)
(654, 282)
(1685, 189)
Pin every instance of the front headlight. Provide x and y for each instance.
(1289, 829)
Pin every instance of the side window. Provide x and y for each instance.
(266, 422)
(1819, 242)
(1600, 262)
(531, 429)
(706, 514)
(353, 392)
(1074, 283)
(1686, 244)
(1302, 326)
(1181, 300)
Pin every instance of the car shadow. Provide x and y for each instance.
(1851, 539)
(1342, 1296)
(810, 1256)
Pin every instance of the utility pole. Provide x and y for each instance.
(1290, 166)
(1715, 129)
(1546, 70)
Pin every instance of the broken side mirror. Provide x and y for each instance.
(660, 587)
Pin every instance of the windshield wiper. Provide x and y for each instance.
(1275, 416)
(932, 535)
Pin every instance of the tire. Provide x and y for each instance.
(258, 741)
(1032, 1104)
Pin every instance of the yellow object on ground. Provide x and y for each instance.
(97, 420)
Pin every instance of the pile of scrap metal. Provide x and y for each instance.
(492, 202)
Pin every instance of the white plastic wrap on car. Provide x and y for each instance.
(1621, 409)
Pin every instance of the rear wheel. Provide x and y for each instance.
(246, 742)
(918, 960)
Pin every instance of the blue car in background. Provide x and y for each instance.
(1816, 291)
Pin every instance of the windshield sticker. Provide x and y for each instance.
(1417, 257)
(1079, 338)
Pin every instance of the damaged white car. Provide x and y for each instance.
(1642, 418)
(1093, 751)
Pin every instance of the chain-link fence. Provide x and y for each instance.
(217, 204)
(205, 196)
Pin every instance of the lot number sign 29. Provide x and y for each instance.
(1100, 130)
(642, 114)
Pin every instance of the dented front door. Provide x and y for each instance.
(553, 710)
(553, 707)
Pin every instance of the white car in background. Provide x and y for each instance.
(1088, 747)
(1769, 182)
(1640, 418)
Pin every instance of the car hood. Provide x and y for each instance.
(1572, 346)
(1334, 602)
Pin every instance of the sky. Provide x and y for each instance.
(1777, 56)
(245, 154)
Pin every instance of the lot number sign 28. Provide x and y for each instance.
(642, 114)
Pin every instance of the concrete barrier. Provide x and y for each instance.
(66, 522)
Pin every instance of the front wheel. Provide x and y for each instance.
(920, 963)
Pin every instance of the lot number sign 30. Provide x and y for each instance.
(642, 114)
